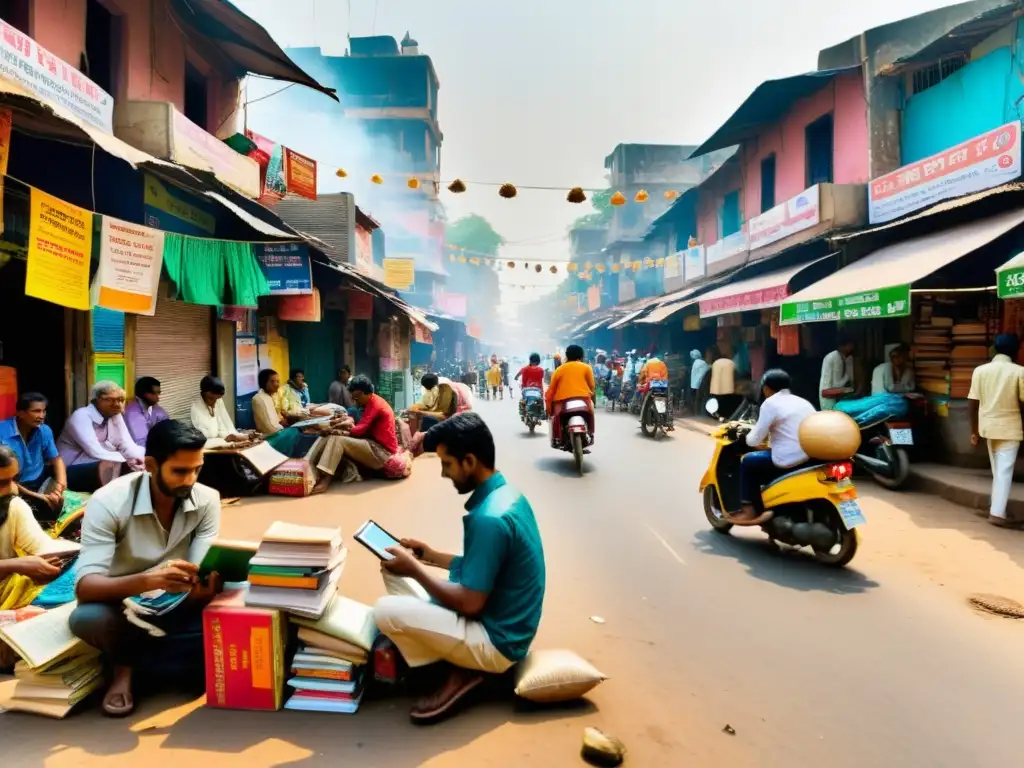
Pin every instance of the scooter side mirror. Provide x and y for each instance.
(711, 406)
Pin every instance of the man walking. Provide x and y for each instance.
(997, 390)
(484, 616)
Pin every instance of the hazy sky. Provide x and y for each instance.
(538, 93)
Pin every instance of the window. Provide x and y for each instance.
(15, 13)
(818, 136)
(730, 218)
(196, 97)
(102, 57)
(768, 183)
(933, 74)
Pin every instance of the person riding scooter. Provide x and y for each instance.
(530, 377)
(781, 414)
(572, 379)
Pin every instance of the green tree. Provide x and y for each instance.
(474, 233)
(602, 213)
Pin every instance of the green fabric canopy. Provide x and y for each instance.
(214, 272)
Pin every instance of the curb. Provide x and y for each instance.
(978, 503)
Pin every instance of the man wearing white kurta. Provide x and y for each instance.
(997, 390)
(837, 372)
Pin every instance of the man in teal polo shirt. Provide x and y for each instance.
(484, 616)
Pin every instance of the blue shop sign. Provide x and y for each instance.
(286, 267)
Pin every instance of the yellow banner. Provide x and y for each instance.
(157, 196)
(400, 274)
(59, 251)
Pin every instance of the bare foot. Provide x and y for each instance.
(118, 700)
(322, 484)
(442, 702)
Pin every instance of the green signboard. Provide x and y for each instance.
(885, 302)
(1011, 283)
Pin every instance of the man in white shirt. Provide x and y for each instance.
(837, 371)
(997, 390)
(209, 414)
(782, 412)
(143, 532)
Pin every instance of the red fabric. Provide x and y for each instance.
(556, 421)
(378, 424)
(531, 376)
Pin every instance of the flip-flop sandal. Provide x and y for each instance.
(124, 709)
(448, 706)
(761, 519)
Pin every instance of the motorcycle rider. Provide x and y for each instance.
(782, 412)
(572, 379)
(530, 376)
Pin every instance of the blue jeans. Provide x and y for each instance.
(756, 471)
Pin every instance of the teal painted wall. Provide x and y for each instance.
(985, 94)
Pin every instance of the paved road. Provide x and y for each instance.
(879, 665)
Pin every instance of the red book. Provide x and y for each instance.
(245, 654)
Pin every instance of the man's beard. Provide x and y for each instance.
(466, 486)
(181, 493)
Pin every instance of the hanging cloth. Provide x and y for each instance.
(214, 272)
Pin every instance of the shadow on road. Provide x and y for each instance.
(786, 566)
(563, 465)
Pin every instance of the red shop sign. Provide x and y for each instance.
(742, 302)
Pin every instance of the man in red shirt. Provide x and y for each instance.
(531, 375)
(369, 444)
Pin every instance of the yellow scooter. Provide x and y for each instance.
(814, 506)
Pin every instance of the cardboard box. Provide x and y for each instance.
(245, 654)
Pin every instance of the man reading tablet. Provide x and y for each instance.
(484, 616)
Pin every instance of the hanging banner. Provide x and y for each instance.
(173, 210)
(286, 267)
(300, 174)
(128, 278)
(360, 305)
(247, 366)
(302, 308)
(885, 302)
(785, 219)
(364, 251)
(422, 335)
(983, 162)
(59, 251)
(53, 80)
(6, 121)
(400, 273)
(273, 186)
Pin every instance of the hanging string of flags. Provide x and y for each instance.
(583, 271)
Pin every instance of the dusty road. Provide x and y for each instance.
(879, 665)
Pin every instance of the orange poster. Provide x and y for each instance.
(301, 174)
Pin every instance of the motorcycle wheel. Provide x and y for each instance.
(713, 513)
(648, 421)
(848, 543)
(577, 451)
(532, 425)
(902, 471)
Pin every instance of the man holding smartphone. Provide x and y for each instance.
(143, 532)
(483, 617)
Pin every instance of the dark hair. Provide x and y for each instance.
(7, 457)
(296, 372)
(25, 400)
(461, 435)
(573, 352)
(362, 384)
(170, 436)
(534, 359)
(776, 380)
(145, 385)
(429, 380)
(212, 385)
(344, 369)
(1007, 344)
(264, 377)
(844, 339)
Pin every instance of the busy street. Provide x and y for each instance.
(884, 663)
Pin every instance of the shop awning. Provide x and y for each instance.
(759, 292)
(665, 311)
(369, 286)
(1010, 278)
(879, 284)
(625, 320)
(598, 324)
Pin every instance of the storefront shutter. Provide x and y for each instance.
(176, 347)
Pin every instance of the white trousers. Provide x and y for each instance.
(1003, 456)
(426, 633)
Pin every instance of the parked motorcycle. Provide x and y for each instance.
(531, 408)
(577, 423)
(886, 434)
(655, 414)
(814, 506)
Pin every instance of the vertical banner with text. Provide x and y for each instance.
(300, 172)
(128, 278)
(59, 251)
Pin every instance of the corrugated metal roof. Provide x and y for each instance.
(330, 218)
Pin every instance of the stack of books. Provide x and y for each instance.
(324, 682)
(296, 569)
(57, 670)
(328, 671)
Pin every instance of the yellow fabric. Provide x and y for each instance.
(286, 401)
(572, 379)
(21, 536)
(17, 591)
(998, 387)
(494, 376)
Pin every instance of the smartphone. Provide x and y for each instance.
(376, 539)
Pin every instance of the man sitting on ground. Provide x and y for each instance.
(209, 414)
(297, 389)
(41, 478)
(145, 532)
(369, 444)
(781, 414)
(484, 616)
(338, 392)
(573, 379)
(438, 403)
(142, 413)
(95, 444)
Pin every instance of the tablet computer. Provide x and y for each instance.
(376, 539)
